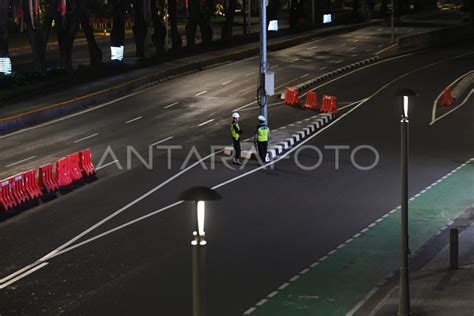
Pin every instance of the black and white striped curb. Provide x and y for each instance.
(334, 73)
(297, 132)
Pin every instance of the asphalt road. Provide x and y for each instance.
(270, 224)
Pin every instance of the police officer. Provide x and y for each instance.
(236, 131)
(262, 137)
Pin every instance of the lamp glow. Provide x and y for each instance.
(405, 106)
(200, 217)
(5, 66)
(116, 53)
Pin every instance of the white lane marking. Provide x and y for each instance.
(365, 299)
(410, 30)
(342, 45)
(200, 93)
(8, 277)
(227, 82)
(172, 104)
(295, 59)
(435, 103)
(272, 294)
(312, 47)
(283, 286)
(161, 141)
(351, 49)
(314, 264)
(21, 276)
(355, 41)
(357, 235)
(206, 122)
(330, 253)
(251, 73)
(134, 119)
(250, 311)
(262, 302)
(107, 164)
(354, 55)
(339, 61)
(322, 68)
(379, 29)
(305, 75)
(385, 49)
(20, 161)
(85, 138)
(304, 271)
(323, 258)
(296, 277)
(75, 114)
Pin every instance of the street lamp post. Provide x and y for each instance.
(404, 303)
(199, 195)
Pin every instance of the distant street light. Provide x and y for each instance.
(199, 195)
(404, 303)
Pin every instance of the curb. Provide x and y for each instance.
(77, 104)
(278, 149)
(333, 73)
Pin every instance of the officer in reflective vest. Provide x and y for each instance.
(236, 131)
(262, 137)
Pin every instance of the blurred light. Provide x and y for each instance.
(116, 53)
(200, 217)
(327, 18)
(5, 65)
(273, 25)
(405, 106)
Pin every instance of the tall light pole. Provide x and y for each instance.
(404, 303)
(262, 94)
(199, 195)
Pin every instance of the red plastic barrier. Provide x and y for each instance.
(329, 104)
(62, 170)
(291, 96)
(47, 178)
(31, 184)
(7, 201)
(17, 184)
(86, 162)
(311, 101)
(74, 162)
(447, 99)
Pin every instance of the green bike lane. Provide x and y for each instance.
(335, 283)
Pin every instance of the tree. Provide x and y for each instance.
(173, 16)
(38, 32)
(117, 36)
(3, 29)
(66, 25)
(200, 13)
(159, 33)
(226, 33)
(142, 27)
(95, 53)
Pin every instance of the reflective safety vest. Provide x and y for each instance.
(263, 133)
(234, 127)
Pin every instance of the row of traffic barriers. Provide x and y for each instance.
(32, 185)
(328, 102)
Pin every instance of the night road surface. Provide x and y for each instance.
(271, 223)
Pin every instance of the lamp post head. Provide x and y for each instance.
(200, 195)
(405, 93)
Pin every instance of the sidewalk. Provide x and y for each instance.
(436, 290)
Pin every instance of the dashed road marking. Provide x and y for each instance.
(200, 93)
(224, 83)
(134, 119)
(18, 162)
(172, 104)
(305, 75)
(161, 141)
(206, 122)
(296, 59)
(85, 138)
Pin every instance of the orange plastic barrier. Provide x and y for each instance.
(447, 99)
(311, 101)
(291, 96)
(74, 162)
(86, 162)
(62, 170)
(47, 178)
(329, 104)
(31, 184)
(7, 201)
(18, 189)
